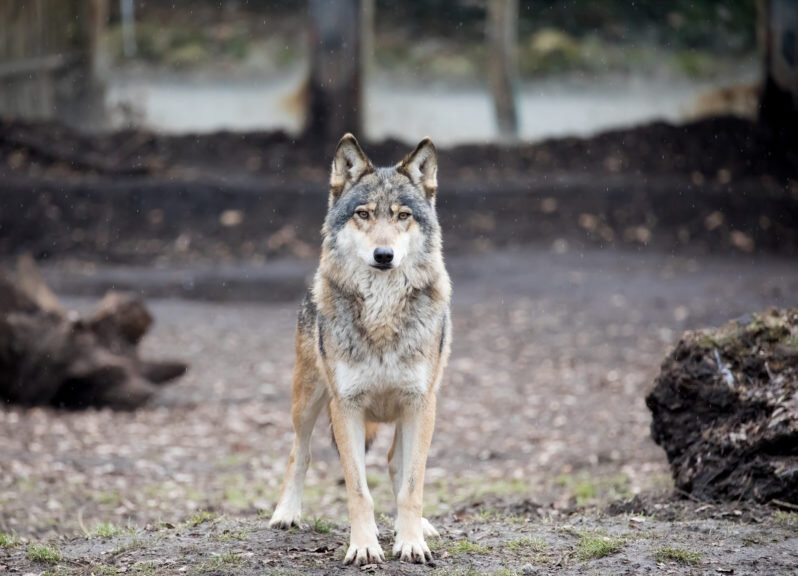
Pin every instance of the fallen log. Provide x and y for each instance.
(49, 356)
(725, 409)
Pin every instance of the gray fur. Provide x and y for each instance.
(418, 294)
(373, 337)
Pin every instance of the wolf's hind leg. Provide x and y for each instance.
(395, 469)
(309, 397)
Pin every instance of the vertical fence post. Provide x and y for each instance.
(502, 65)
(335, 92)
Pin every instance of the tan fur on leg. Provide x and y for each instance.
(395, 470)
(309, 397)
(350, 433)
(416, 430)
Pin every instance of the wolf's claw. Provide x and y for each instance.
(362, 555)
(429, 529)
(409, 551)
(285, 520)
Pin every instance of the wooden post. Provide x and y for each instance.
(335, 93)
(502, 65)
(50, 60)
(97, 67)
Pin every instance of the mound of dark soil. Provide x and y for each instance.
(725, 409)
(725, 148)
(720, 184)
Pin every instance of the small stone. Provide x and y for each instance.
(529, 570)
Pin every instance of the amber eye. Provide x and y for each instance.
(362, 214)
(404, 215)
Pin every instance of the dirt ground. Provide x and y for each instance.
(541, 427)
(576, 266)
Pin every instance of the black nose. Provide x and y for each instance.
(383, 255)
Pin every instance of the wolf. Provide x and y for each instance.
(373, 338)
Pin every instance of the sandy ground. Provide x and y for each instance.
(541, 423)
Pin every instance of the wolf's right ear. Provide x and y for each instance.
(349, 164)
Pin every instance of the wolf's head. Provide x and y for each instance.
(382, 219)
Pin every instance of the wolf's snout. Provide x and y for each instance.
(383, 256)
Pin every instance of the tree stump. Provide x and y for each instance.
(54, 358)
(725, 409)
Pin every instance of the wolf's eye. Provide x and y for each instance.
(362, 214)
(404, 215)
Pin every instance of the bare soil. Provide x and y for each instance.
(717, 185)
(712, 540)
(542, 435)
(577, 264)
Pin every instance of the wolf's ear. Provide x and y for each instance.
(349, 164)
(421, 166)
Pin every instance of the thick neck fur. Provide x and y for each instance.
(381, 303)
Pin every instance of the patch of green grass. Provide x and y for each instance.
(322, 526)
(584, 492)
(448, 571)
(693, 63)
(593, 546)
(43, 554)
(786, 519)
(678, 555)
(228, 535)
(486, 515)
(220, 563)
(236, 497)
(753, 540)
(146, 569)
(590, 490)
(7, 540)
(107, 498)
(536, 545)
(105, 570)
(107, 530)
(134, 544)
(374, 480)
(200, 518)
(503, 487)
(467, 547)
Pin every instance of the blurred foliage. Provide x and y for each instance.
(445, 38)
(688, 38)
(184, 46)
(693, 24)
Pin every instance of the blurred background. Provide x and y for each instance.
(563, 68)
(611, 174)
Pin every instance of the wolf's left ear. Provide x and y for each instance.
(421, 166)
(349, 164)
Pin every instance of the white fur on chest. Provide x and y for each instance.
(382, 388)
(384, 298)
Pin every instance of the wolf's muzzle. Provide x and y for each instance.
(383, 257)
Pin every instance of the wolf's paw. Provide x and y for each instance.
(366, 553)
(415, 551)
(429, 529)
(284, 518)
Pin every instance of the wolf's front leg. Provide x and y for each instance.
(349, 427)
(417, 425)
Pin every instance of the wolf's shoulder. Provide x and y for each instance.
(308, 313)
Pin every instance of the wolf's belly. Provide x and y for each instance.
(382, 388)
